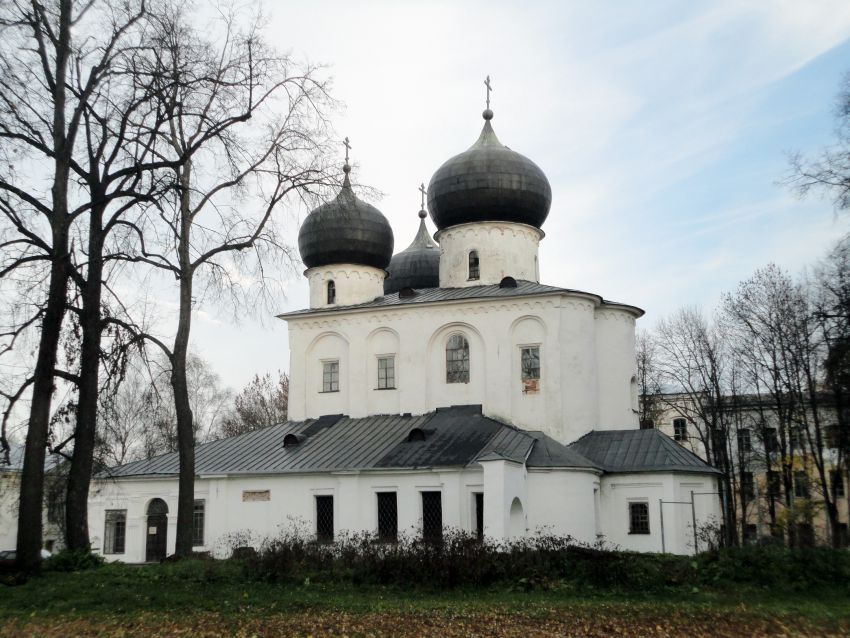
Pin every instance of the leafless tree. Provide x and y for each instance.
(262, 403)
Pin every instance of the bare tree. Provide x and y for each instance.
(243, 121)
(262, 403)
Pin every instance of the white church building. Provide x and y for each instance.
(443, 387)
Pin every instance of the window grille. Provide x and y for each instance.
(680, 430)
(745, 442)
(325, 519)
(330, 376)
(801, 485)
(432, 516)
(530, 363)
(387, 517)
(479, 515)
(638, 518)
(331, 292)
(386, 373)
(474, 270)
(116, 531)
(198, 524)
(747, 484)
(457, 360)
(774, 484)
(837, 482)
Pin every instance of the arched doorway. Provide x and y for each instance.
(157, 530)
(517, 521)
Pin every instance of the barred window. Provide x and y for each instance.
(638, 518)
(474, 270)
(330, 376)
(386, 373)
(325, 519)
(771, 441)
(748, 485)
(680, 430)
(530, 363)
(745, 442)
(432, 516)
(457, 360)
(116, 532)
(198, 523)
(388, 517)
(331, 292)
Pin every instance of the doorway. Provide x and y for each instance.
(157, 531)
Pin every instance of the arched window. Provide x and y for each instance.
(457, 360)
(474, 271)
(331, 292)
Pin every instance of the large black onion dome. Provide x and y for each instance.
(417, 266)
(346, 231)
(489, 182)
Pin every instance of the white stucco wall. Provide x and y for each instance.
(354, 284)
(504, 249)
(582, 375)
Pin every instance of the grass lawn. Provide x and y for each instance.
(213, 599)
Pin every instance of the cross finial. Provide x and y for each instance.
(423, 191)
(347, 145)
(489, 88)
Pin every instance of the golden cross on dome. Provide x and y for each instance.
(489, 88)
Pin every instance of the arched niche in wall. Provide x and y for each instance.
(516, 522)
(322, 397)
(529, 332)
(439, 393)
(384, 367)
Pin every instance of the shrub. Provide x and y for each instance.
(75, 560)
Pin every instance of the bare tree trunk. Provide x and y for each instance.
(32, 475)
(179, 384)
(80, 472)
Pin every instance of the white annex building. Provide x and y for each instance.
(443, 387)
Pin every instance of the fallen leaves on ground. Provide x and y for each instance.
(544, 622)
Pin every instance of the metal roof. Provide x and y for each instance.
(16, 460)
(639, 451)
(454, 437)
(524, 288)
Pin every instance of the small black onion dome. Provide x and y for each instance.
(489, 182)
(346, 231)
(417, 266)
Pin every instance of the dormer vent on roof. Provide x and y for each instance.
(290, 440)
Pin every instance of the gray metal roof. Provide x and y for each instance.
(454, 437)
(16, 460)
(638, 451)
(430, 295)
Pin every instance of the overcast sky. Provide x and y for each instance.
(663, 128)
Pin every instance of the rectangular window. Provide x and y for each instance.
(748, 485)
(680, 430)
(531, 363)
(386, 373)
(479, 515)
(805, 535)
(388, 517)
(796, 436)
(801, 485)
(325, 519)
(833, 436)
(745, 442)
(647, 424)
(198, 524)
(837, 482)
(774, 484)
(842, 537)
(116, 531)
(457, 360)
(751, 534)
(771, 441)
(432, 516)
(638, 518)
(330, 376)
